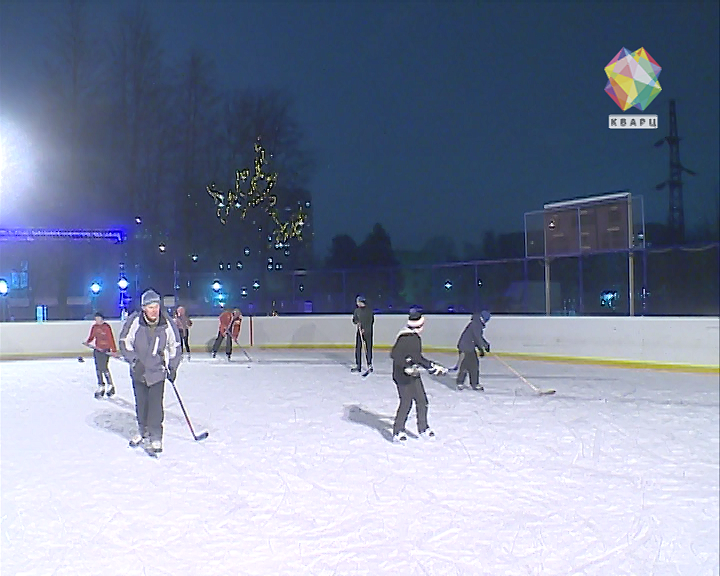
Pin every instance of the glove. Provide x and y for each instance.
(487, 347)
(438, 370)
(172, 374)
(412, 371)
(138, 370)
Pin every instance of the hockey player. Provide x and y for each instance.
(183, 323)
(230, 325)
(101, 332)
(472, 338)
(407, 357)
(364, 319)
(150, 343)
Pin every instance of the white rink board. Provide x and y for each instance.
(664, 341)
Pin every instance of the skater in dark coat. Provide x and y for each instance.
(364, 319)
(472, 339)
(150, 343)
(101, 332)
(407, 359)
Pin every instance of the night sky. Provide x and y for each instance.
(443, 118)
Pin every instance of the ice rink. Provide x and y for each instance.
(616, 474)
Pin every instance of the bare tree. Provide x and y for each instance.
(267, 115)
(137, 86)
(195, 103)
(70, 75)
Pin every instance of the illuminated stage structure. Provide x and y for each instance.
(48, 278)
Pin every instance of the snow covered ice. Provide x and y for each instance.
(616, 474)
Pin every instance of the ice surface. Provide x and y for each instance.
(616, 474)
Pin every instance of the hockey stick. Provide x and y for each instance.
(112, 355)
(534, 388)
(364, 352)
(244, 351)
(202, 435)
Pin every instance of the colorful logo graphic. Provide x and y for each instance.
(633, 79)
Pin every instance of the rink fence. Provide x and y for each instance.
(671, 343)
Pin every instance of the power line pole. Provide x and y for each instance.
(676, 212)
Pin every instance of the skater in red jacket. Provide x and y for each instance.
(102, 334)
(230, 325)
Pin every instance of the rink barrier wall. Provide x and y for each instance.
(668, 343)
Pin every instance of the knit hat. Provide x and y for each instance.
(149, 297)
(360, 299)
(415, 319)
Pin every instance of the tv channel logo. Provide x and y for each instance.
(633, 83)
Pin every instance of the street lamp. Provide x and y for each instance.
(3, 287)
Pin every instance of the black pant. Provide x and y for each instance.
(149, 409)
(469, 364)
(101, 367)
(218, 342)
(408, 390)
(184, 344)
(368, 337)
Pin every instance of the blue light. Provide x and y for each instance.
(448, 285)
(123, 284)
(14, 234)
(217, 286)
(256, 285)
(3, 287)
(95, 288)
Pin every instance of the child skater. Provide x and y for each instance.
(472, 339)
(407, 356)
(183, 323)
(102, 334)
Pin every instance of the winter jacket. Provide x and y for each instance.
(363, 315)
(103, 336)
(227, 322)
(152, 351)
(472, 337)
(406, 352)
(182, 321)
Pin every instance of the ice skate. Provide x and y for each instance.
(156, 446)
(427, 434)
(400, 437)
(110, 392)
(136, 440)
(478, 388)
(355, 369)
(100, 391)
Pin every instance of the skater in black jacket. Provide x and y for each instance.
(472, 339)
(364, 319)
(407, 358)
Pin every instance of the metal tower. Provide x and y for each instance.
(676, 213)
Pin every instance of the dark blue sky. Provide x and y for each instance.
(446, 118)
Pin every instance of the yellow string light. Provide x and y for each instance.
(256, 195)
